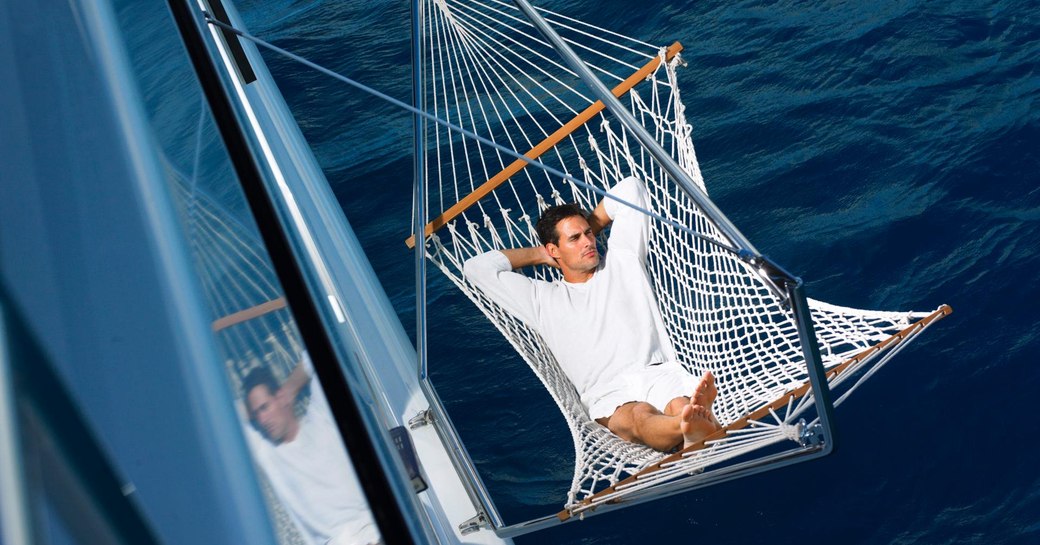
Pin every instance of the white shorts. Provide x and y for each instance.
(655, 384)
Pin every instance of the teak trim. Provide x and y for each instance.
(761, 412)
(544, 146)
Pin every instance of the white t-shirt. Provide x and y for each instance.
(314, 479)
(600, 330)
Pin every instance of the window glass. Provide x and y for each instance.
(306, 476)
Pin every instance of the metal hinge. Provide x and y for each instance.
(424, 417)
(812, 436)
(474, 524)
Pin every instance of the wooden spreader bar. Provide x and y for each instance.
(248, 314)
(761, 412)
(544, 146)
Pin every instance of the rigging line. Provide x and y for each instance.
(461, 39)
(583, 23)
(430, 90)
(570, 40)
(495, 90)
(468, 51)
(536, 39)
(501, 51)
(490, 52)
(556, 172)
(592, 36)
(436, 61)
(460, 105)
(466, 46)
(461, 68)
(471, 55)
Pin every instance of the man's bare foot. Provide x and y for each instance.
(705, 392)
(696, 423)
(704, 395)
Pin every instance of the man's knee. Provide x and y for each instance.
(621, 423)
(627, 420)
(675, 406)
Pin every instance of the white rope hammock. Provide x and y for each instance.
(487, 70)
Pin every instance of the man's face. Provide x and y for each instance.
(274, 418)
(576, 248)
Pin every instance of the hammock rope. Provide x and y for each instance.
(722, 314)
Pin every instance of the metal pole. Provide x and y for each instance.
(419, 219)
(15, 524)
(614, 105)
(811, 352)
(457, 452)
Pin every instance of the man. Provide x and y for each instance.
(602, 322)
(304, 459)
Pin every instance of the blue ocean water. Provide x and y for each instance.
(886, 152)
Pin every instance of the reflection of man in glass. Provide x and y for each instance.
(304, 459)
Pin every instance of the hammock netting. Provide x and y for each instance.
(485, 68)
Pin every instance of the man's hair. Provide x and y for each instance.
(259, 376)
(546, 226)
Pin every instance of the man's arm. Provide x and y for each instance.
(492, 272)
(598, 219)
(526, 257)
(631, 227)
(295, 382)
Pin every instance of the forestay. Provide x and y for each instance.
(487, 70)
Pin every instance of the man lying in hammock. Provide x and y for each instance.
(602, 322)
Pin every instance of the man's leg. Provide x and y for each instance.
(685, 421)
(641, 422)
